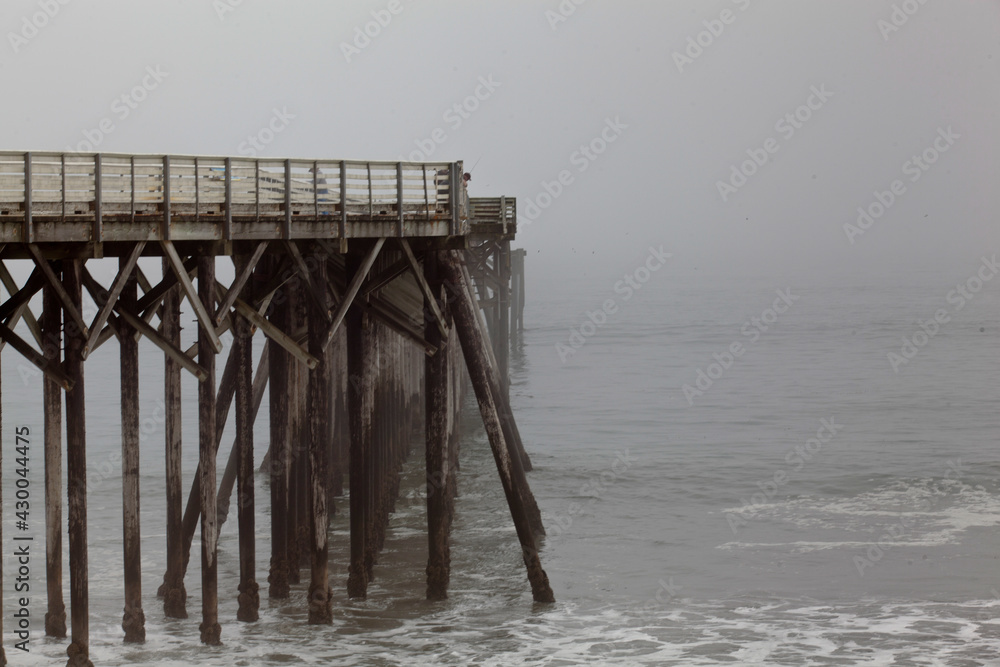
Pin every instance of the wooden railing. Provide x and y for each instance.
(99, 188)
(487, 212)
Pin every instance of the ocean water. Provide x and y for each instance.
(812, 506)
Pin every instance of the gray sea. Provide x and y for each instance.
(808, 500)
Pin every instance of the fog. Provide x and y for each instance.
(693, 91)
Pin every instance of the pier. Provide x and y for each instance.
(381, 290)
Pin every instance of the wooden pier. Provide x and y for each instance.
(375, 286)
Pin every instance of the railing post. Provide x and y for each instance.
(98, 207)
(132, 199)
(197, 194)
(343, 200)
(166, 198)
(29, 231)
(227, 225)
(315, 172)
(399, 198)
(287, 232)
(62, 162)
(453, 197)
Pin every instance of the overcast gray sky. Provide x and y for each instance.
(886, 80)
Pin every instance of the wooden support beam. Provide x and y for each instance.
(134, 620)
(279, 361)
(125, 275)
(274, 333)
(249, 596)
(398, 322)
(316, 290)
(241, 279)
(511, 432)
(51, 370)
(208, 346)
(503, 330)
(192, 510)
(3, 653)
(152, 297)
(73, 315)
(297, 522)
(139, 325)
(22, 310)
(386, 276)
(430, 302)
(319, 434)
(436, 431)
(475, 350)
(361, 368)
(22, 296)
(172, 591)
(55, 614)
(352, 290)
(204, 318)
(76, 475)
(260, 380)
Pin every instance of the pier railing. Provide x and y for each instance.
(120, 197)
(493, 215)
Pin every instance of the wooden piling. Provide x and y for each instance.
(51, 323)
(503, 328)
(512, 437)
(76, 476)
(361, 371)
(133, 621)
(296, 412)
(249, 591)
(3, 653)
(210, 629)
(172, 591)
(474, 348)
(320, 594)
(437, 376)
(278, 400)
(372, 457)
